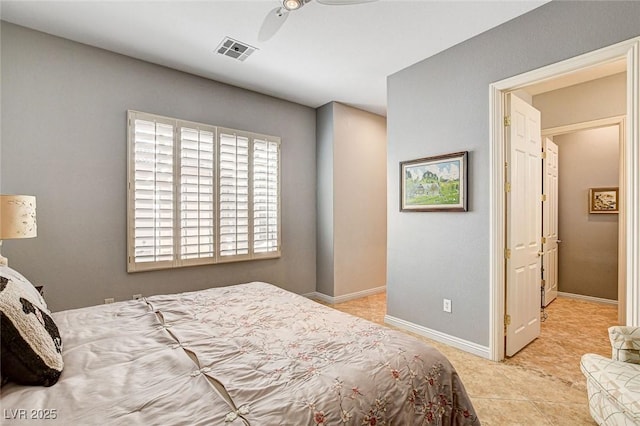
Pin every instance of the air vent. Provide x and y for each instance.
(235, 49)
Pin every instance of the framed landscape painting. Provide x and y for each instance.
(434, 184)
(603, 200)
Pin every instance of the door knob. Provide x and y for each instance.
(540, 253)
(558, 241)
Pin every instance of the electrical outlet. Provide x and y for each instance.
(109, 300)
(446, 305)
(137, 296)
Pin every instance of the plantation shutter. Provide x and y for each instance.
(234, 194)
(152, 192)
(266, 196)
(197, 193)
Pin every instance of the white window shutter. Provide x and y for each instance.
(266, 215)
(234, 194)
(197, 192)
(153, 199)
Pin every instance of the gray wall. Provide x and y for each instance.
(588, 254)
(1, 25)
(64, 140)
(441, 105)
(324, 163)
(601, 98)
(360, 196)
(351, 147)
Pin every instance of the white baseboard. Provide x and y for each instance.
(465, 345)
(345, 297)
(587, 298)
(456, 342)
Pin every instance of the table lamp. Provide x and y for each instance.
(17, 219)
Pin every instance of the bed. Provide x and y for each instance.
(248, 354)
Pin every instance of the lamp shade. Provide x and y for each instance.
(17, 217)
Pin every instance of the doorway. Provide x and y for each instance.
(629, 185)
(590, 157)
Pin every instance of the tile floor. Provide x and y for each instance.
(541, 385)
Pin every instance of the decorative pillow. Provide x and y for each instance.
(14, 275)
(625, 343)
(31, 347)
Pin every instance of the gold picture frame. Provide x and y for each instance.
(603, 200)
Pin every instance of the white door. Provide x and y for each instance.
(524, 225)
(550, 221)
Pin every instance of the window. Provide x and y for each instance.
(200, 194)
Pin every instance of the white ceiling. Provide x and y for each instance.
(321, 54)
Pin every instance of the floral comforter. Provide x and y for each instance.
(249, 354)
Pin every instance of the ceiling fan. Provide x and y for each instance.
(276, 17)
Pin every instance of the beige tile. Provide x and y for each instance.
(499, 412)
(566, 414)
(544, 388)
(490, 383)
(572, 328)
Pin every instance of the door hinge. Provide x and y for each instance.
(507, 320)
(544, 240)
(543, 155)
(507, 253)
(507, 187)
(543, 197)
(507, 120)
(543, 283)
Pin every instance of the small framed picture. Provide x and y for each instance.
(603, 200)
(434, 184)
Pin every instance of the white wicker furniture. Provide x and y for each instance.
(613, 384)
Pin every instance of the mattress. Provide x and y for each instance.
(248, 354)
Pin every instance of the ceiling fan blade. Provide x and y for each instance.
(272, 23)
(343, 2)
